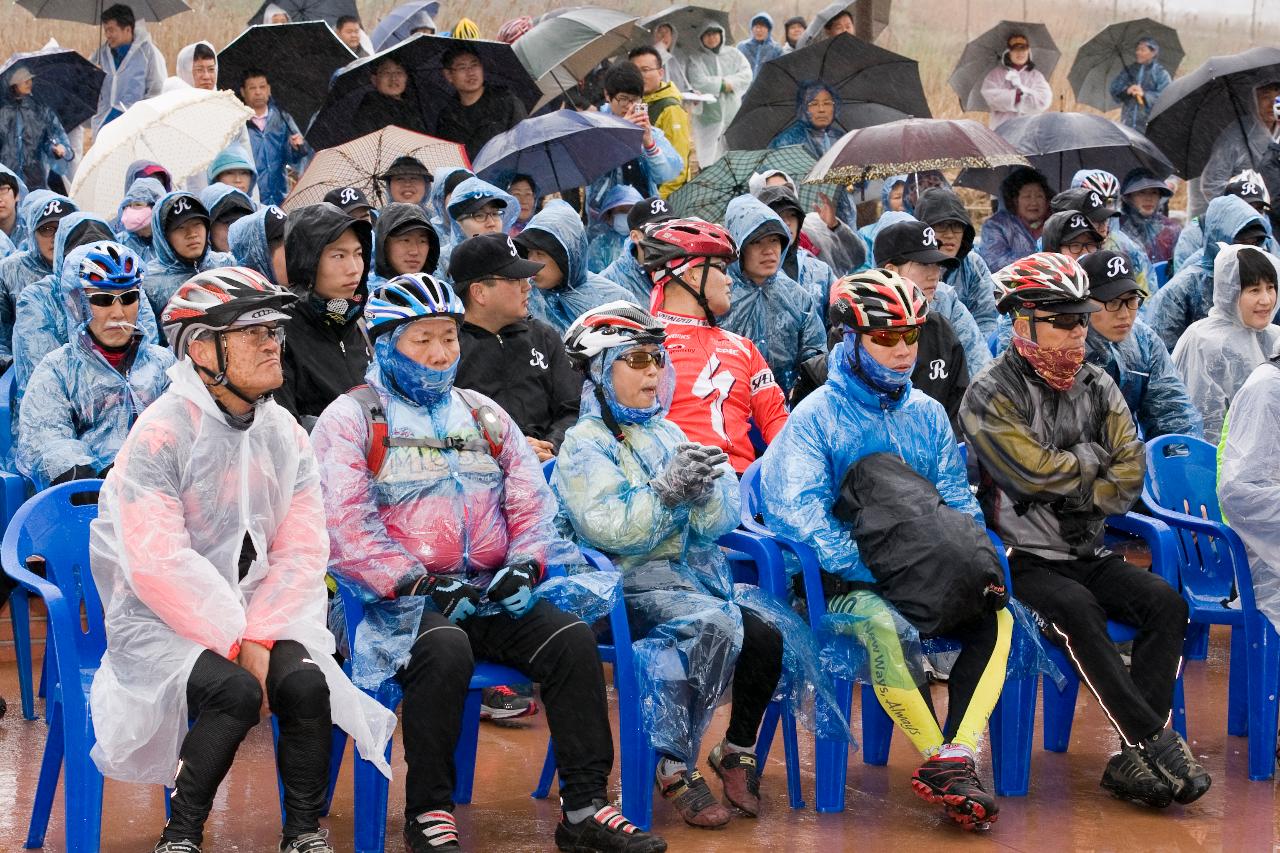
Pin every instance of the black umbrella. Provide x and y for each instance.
(328, 11)
(1060, 144)
(879, 18)
(1194, 111)
(90, 11)
(298, 60)
(420, 55)
(873, 85)
(985, 52)
(1110, 53)
(65, 82)
(688, 22)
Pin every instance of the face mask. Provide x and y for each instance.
(618, 222)
(135, 217)
(624, 414)
(413, 381)
(1057, 367)
(881, 379)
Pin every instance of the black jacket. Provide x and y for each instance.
(497, 110)
(323, 356)
(377, 111)
(523, 368)
(394, 216)
(938, 205)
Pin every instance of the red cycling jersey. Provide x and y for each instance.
(723, 384)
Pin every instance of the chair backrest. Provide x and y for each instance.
(54, 525)
(749, 499)
(6, 412)
(1161, 270)
(1182, 476)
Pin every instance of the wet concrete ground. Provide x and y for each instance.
(1066, 809)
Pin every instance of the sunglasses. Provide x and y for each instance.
(1065, 322)
(103, 299)
(890, 337)
(641, 359)
(1133, 303)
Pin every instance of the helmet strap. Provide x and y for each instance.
(606, 414)
(220, 378)
(700, 294)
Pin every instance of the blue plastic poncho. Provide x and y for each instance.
(28, 131)
(780, 317)
(658, 165)
(77, 408)
(247, 238)
(435, 202)
(166, 271)
(146, 191)
(272, 153)
(760, 52)
(1152, 77)
(681, 600)
(1189, 294)
(451, 232)
(24, 267)
(605, 238)
(802, 131)
(581, 289)
(627, 272)
(1005, 238)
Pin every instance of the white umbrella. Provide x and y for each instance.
(182, 130)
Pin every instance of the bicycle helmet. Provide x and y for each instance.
(672, 247)
(877, 299)
(110, 266)
(1102, 182)
(407, 298)
(1046, 281)
(614, 324)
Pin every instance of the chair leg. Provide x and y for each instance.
(768, 728)
(20, 616)
(1196, 644)
(1012, 731)
(83, 793)
(831, 758)
(1238, 684)
(370, 806)
(47, 784)
(1060, 710)
(464, 754)
(1264, 681)
(1179, 709)
(337, 750)
(791, 751)
(548, 773)
(877, 729)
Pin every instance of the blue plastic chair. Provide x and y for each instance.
(1161, 270)
(1181, 491)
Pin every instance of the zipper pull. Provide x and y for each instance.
(342, 347)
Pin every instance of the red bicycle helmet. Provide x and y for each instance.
(672, 247)
(877, 299)
(1047, 281)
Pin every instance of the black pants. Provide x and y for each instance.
(977, 643)
(224, 700)
(546, 644)
(1073, 600)
(755, 678)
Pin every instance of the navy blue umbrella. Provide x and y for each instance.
(65, 81)
(560, 150)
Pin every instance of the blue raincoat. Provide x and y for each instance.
(166, 271)
(435, 201)
(1005, 238)
(42, 309)
(215, 193)
(1153, 78)
(451, 232)
(272, 153)
(659, 166)
(581, 289)
(817, 141)
(1189, 294)
(976, 290)
(760, 52)
(780, 317)
(815, 276)
(247, 238)
(1151, 386)
(147, 190)
(1191, 241)
(25, 267)
(19, 233)
(604, 241)
(138, 76)
(28, 131)
(868, 232)
(77, 408)
(681, 601)
(627, 272)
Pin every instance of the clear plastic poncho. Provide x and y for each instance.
(1216, 355)
(186, 490)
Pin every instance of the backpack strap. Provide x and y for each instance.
(659, 106)
(380, 439)
(376, 421)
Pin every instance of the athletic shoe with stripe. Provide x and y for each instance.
(605, 831)
(432, 832)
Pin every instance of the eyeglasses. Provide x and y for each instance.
(1019, 45)
(1133, 303)
(649, 70)
(626, 102)
(48, 229)
(393, 75)
(949, 229)
(484, 216)
(259, 335)
(639, 359)
(1065, 322)
(465, 67)
(889, 338)
(104, 299)
(1082, 247)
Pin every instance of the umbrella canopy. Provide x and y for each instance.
(711, 190)
(562, 49)
(396, 25)
(299, 59)
(359, 162)
(986, 51)
(913, 145)
(1110, 53)
(65, 82)
(90, 11)
(328, 11)
(873, 86)
(816, 30)
(1194, 111)
(560, 150)
(183, 130)
(688, 22)
(1060, 144)
(420, 55)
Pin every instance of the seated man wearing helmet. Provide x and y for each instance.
(85, 395)
(209, 551)
(724, 386)
(868, 406)
(441, 516)
(1059, 452)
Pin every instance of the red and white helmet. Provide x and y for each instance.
(673, 246)
(877, 299)
(214, 300)
(614, 324)
(1043, 280)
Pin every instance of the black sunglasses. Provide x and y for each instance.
(104, 299)
(1064, 322)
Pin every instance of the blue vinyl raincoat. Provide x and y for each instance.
(868, 232)
(28, 131)
(1005, 238)
(760, 52)
(605, 241)
(801, 131)
(1153, 78)
(77, 408)
(581, 289)
(779, 316)
(451, 232)
(166, 271)
(272, 153)
(142, 190)
(247, 238)
(627, 272)
(1141, 366)
(435, 202)
(24, 267)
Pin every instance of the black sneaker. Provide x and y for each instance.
(308, 842)
(606, 830)
(183, 846)
(1129, 777)
(740, 777)
(503, 703)
(432, 832)
(1170, 758)
(954, 784)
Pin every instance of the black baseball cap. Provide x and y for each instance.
(652, 209)
(781, 199)
(406, 167)
(1077, 225)
(487, 256)
(180, 208)
(1251, 189)
(476, 203)
(348, 199)
(910, 241)
(274, 222)
(1252, 234)
(55, 209)
(1083, 200)
(1110, 275)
